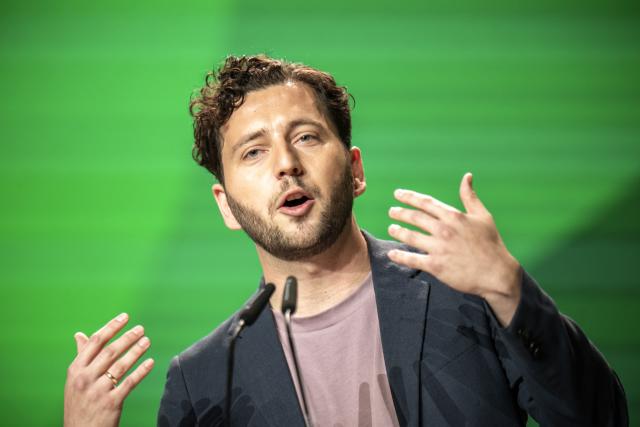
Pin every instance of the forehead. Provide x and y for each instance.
(272, 107)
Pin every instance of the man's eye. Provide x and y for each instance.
(251, 154)
(306, 137)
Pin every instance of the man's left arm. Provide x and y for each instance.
(561, 376)
(562, 379)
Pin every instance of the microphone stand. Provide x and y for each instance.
(247, 316)
(289, 302)
(230, 359)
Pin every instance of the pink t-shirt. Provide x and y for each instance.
(341, 363)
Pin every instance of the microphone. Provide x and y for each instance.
(289, 302)
(247, 317)
(290, 295)
(252, 310)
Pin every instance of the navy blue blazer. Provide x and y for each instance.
(448, 360)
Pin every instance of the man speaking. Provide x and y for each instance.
(444, 328)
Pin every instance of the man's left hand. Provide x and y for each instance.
(462, 249)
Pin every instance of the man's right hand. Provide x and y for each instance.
(91, 396)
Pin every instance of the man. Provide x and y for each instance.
(443, 329)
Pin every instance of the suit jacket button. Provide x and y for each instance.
(534, 349)
(536, 352)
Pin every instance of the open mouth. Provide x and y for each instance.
(297, 201)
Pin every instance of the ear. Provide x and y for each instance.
(221, 199)
(357, 170)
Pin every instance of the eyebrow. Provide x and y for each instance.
(261, 132)
(247, 139)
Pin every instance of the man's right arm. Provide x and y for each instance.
(175, 407)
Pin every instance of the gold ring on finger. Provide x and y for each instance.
(113, 379)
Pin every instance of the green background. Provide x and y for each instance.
(103, 210)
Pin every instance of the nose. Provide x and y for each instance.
(286, 161)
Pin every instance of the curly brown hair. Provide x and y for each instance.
(224, 92)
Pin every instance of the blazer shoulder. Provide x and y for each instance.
(442, 295)
(209, 348)
(203, 368)
(379, 247)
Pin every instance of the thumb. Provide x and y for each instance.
(468, 195)
(81, 340)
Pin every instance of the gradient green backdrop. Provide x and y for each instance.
(103, 210)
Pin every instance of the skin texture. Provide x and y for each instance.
(258, 173)
(465, 249)
(90, 398)
(294, 145)
(462, 249)
(333, 217)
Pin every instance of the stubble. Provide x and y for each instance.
(309, 239)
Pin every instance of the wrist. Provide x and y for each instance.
(506, 281)
(504, 295)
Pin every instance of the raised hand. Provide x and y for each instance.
(95, 390)
(462, 249)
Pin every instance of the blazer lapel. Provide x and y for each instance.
(260, 362)
(401, 299)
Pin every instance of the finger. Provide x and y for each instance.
(130, 382)
(81, 340)
(414, 217)
(122, 366)
(101, 337)
(410, 259)
(121, 317)
(468, 195)
(412, 238)
(428, 204)
(113, 351)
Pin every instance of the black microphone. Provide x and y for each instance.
(252, 310)
(247, 317)
(289, 302)
(290, 295)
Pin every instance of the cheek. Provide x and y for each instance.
(329, 164)
(330, 179)
(255, 190)
(245, 181)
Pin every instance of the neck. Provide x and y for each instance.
(324, 279)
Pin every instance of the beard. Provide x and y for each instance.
(308, 239)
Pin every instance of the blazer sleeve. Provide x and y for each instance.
(176, 409)
(560, 378)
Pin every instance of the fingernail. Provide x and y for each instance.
(394, 209)
(394, 227)
(138, 329)
(399, 192)
(148, 363)
(144, 341)
(122, 317)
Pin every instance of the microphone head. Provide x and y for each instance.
(253, 309)
(290, 295)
